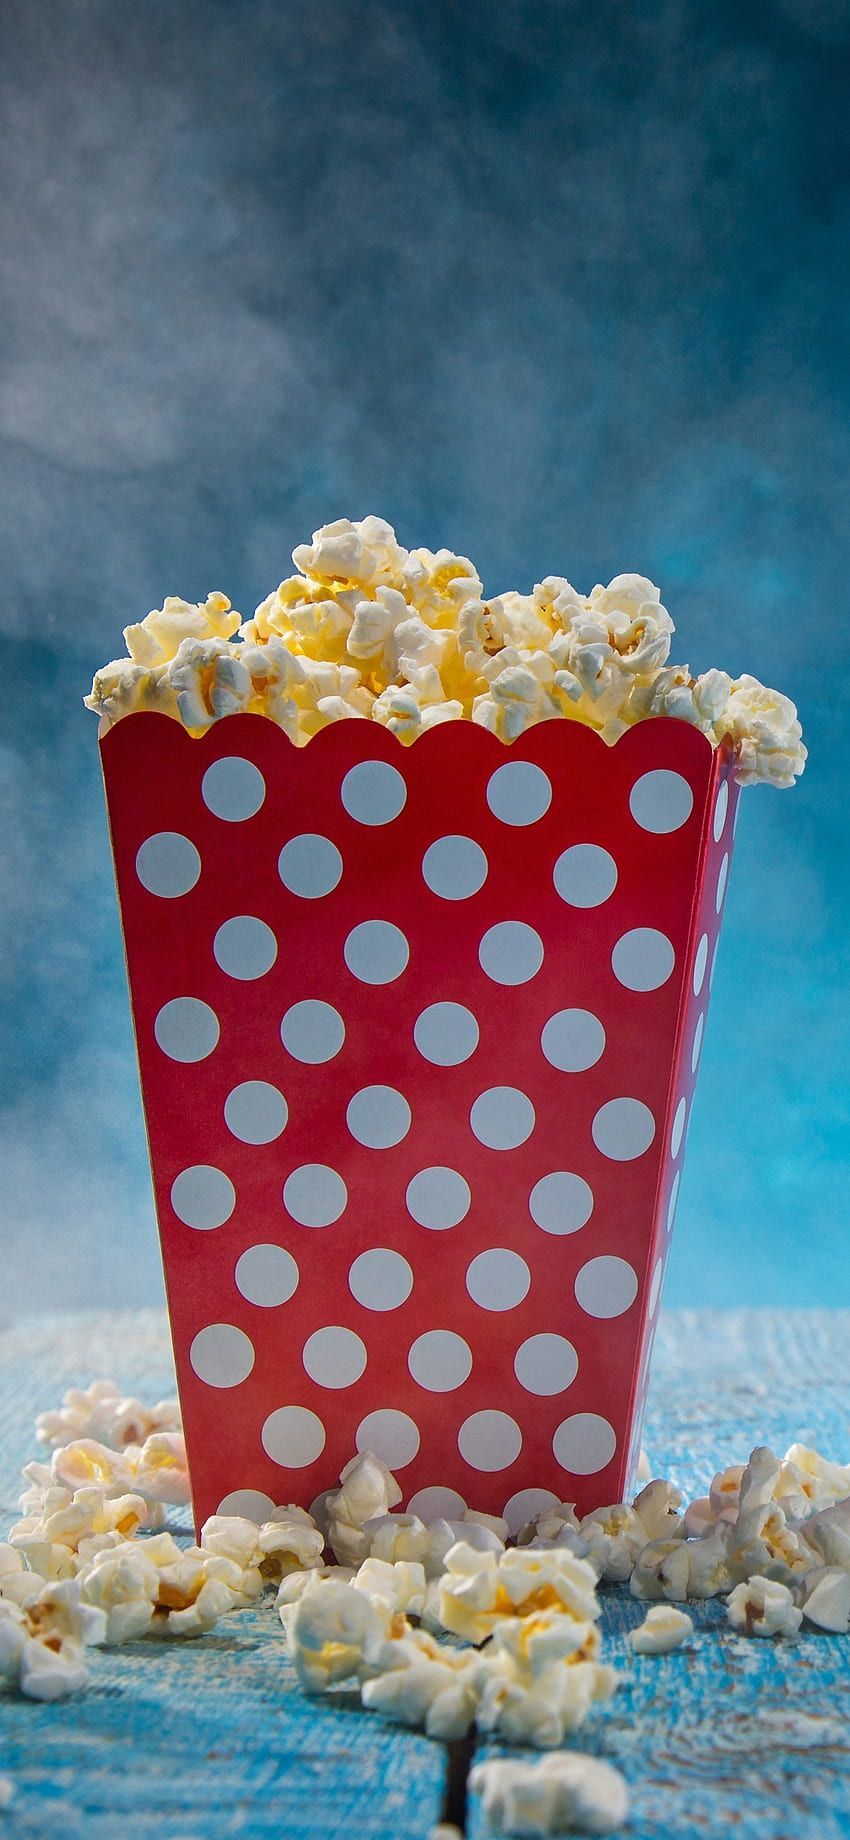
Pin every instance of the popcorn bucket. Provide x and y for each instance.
(418, 1030)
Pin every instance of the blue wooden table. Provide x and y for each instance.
(208, 1739)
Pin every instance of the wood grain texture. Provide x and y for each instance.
(204, 1740)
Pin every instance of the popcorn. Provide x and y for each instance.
(763, 1607)
(397, 1536)
(359, 554)
(663, 1628)
(478, 1590)
(764, 726)
(159, 636)
(662, 1570)
(331, 1631)
(103, 1413)
(443, 1535)
(615, 1538)
(124, 1584)
(51, 1540)
(564, 1790)
(410, 641)
(367, 1489)
(41, 1647)
(420, 1683)
(18, 1585)
(827, 1599)
(544, 1709)
(290, 1541)
(401, 1586)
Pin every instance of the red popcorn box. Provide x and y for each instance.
(418, 1031)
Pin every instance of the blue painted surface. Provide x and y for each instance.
(209, 1739)
(560, 285)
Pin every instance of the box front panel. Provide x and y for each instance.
(408, 1024)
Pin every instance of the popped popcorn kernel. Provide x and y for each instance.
(478, 1590)
(663, 1628)
(763, 1607)
(563, 1791)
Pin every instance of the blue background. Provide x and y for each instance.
(563, 286)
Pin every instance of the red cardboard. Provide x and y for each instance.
(418, 1031)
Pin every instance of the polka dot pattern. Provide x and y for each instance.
(453, 990)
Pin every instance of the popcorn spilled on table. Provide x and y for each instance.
(447, 1627)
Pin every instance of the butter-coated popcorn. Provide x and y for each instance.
(478, 1590)
(158, 637)
(361, 554)
(565, 1791)
(663, 1629)
(332, 1630)
(544, 1708)
(763, 1607)
(415, 643)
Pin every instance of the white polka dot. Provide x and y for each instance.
(606, 1287)
(266, 1275)
(446, 1034)
(661, 801)
(376, 952)
(721, 883)
(315, 1195)
(309, 866)
(525, 1504)
(678, 1130)
(245, 947)
(380, 1279)
(736, 819)
(498, 1279)
(233, 789)
(721, 806)
(573, 1040)
(511, 952)
(203, 1197)
(440, 1361)
(655, 1286)
(585, 875)
(454, 868)
(436, 1504)
(293, 1436)
(584, 1444)
(373, 792)
(623, 1129)
(255, 1112)
(697, 1044)
(378, 1117)
(390, 1435)
(167, 864)
(334, 1357)
(546, 1364)
(643, 959)
(250, 1504)
(674, 1196)
(222, 1355)
(438, 1198)
(186, 1029)
(714, 962)
(489, 1440)
(700, 964)
(312, 1032)
(502, 1118)
(561, 1202)
(519, 793)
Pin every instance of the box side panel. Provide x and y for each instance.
(406, 1020)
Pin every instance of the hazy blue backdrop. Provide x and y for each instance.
(562, 285)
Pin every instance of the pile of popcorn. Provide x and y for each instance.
(407, 638)
(443, 1627)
